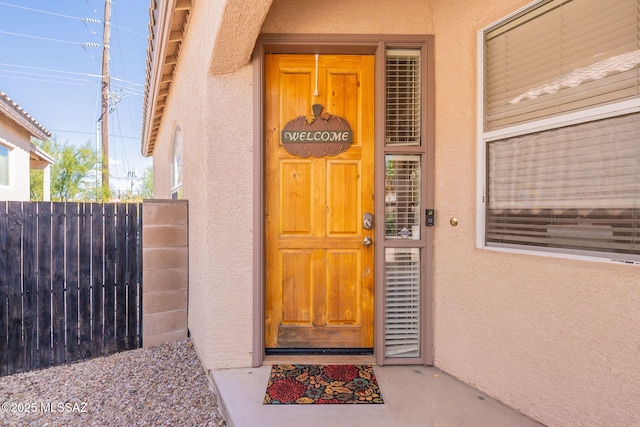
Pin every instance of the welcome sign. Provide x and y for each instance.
(317, 136)
(324, 135)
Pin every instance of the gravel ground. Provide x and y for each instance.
(159, 386)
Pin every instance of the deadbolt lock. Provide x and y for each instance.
(367, 221)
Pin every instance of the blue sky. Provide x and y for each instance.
(50, 65)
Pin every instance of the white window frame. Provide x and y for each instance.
(176, 185)
(9, 146)
(483, 137)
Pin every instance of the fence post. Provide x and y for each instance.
(165, 272)
(44, 284)
(4, 322)
(15, 349)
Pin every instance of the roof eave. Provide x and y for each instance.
(19, 116)
(237, 33)
(167, 26)
(39, 154)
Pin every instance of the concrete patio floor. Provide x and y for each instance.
(413, 396)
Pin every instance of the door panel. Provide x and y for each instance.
(297, 284)
(343, 277)
(343, 198)
(319, 275)
(295, 176)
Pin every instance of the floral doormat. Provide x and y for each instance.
(304, 384)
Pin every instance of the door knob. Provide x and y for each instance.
(367, 241)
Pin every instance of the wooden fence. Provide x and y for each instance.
(70, 282)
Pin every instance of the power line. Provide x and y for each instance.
(124, 152)
(94, 11)
(46, 81)
(116, 16)
(70, 72)
(45, 75)
(129, 31)
(87, 20)
(93, 133)
(122, 5)
(123, 92)
(85, 44)
(49, 69)
(127, 91)
(126, 81)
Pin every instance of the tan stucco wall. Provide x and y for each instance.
(350, 17)
(215, 117)
(18, 188)
(554, 338)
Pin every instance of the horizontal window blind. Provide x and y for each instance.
(575, 188)
(568, 55)
(403, 81)
(402, 302)
(613, 234)
(587, 166)
(402, 196)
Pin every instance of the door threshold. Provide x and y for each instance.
(315, 359)
(319, 351)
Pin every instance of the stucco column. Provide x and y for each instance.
(165, 272)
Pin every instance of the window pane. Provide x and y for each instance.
(176, 161)
(561, 57)
(576, 188)
(590, 165)
(4, 165)
(402, 302)
(403, 79)
(402, 196)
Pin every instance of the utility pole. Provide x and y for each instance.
(105, 99)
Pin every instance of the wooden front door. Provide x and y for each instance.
(319, 272)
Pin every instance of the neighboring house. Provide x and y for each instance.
(18, 155)
(496, 145)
